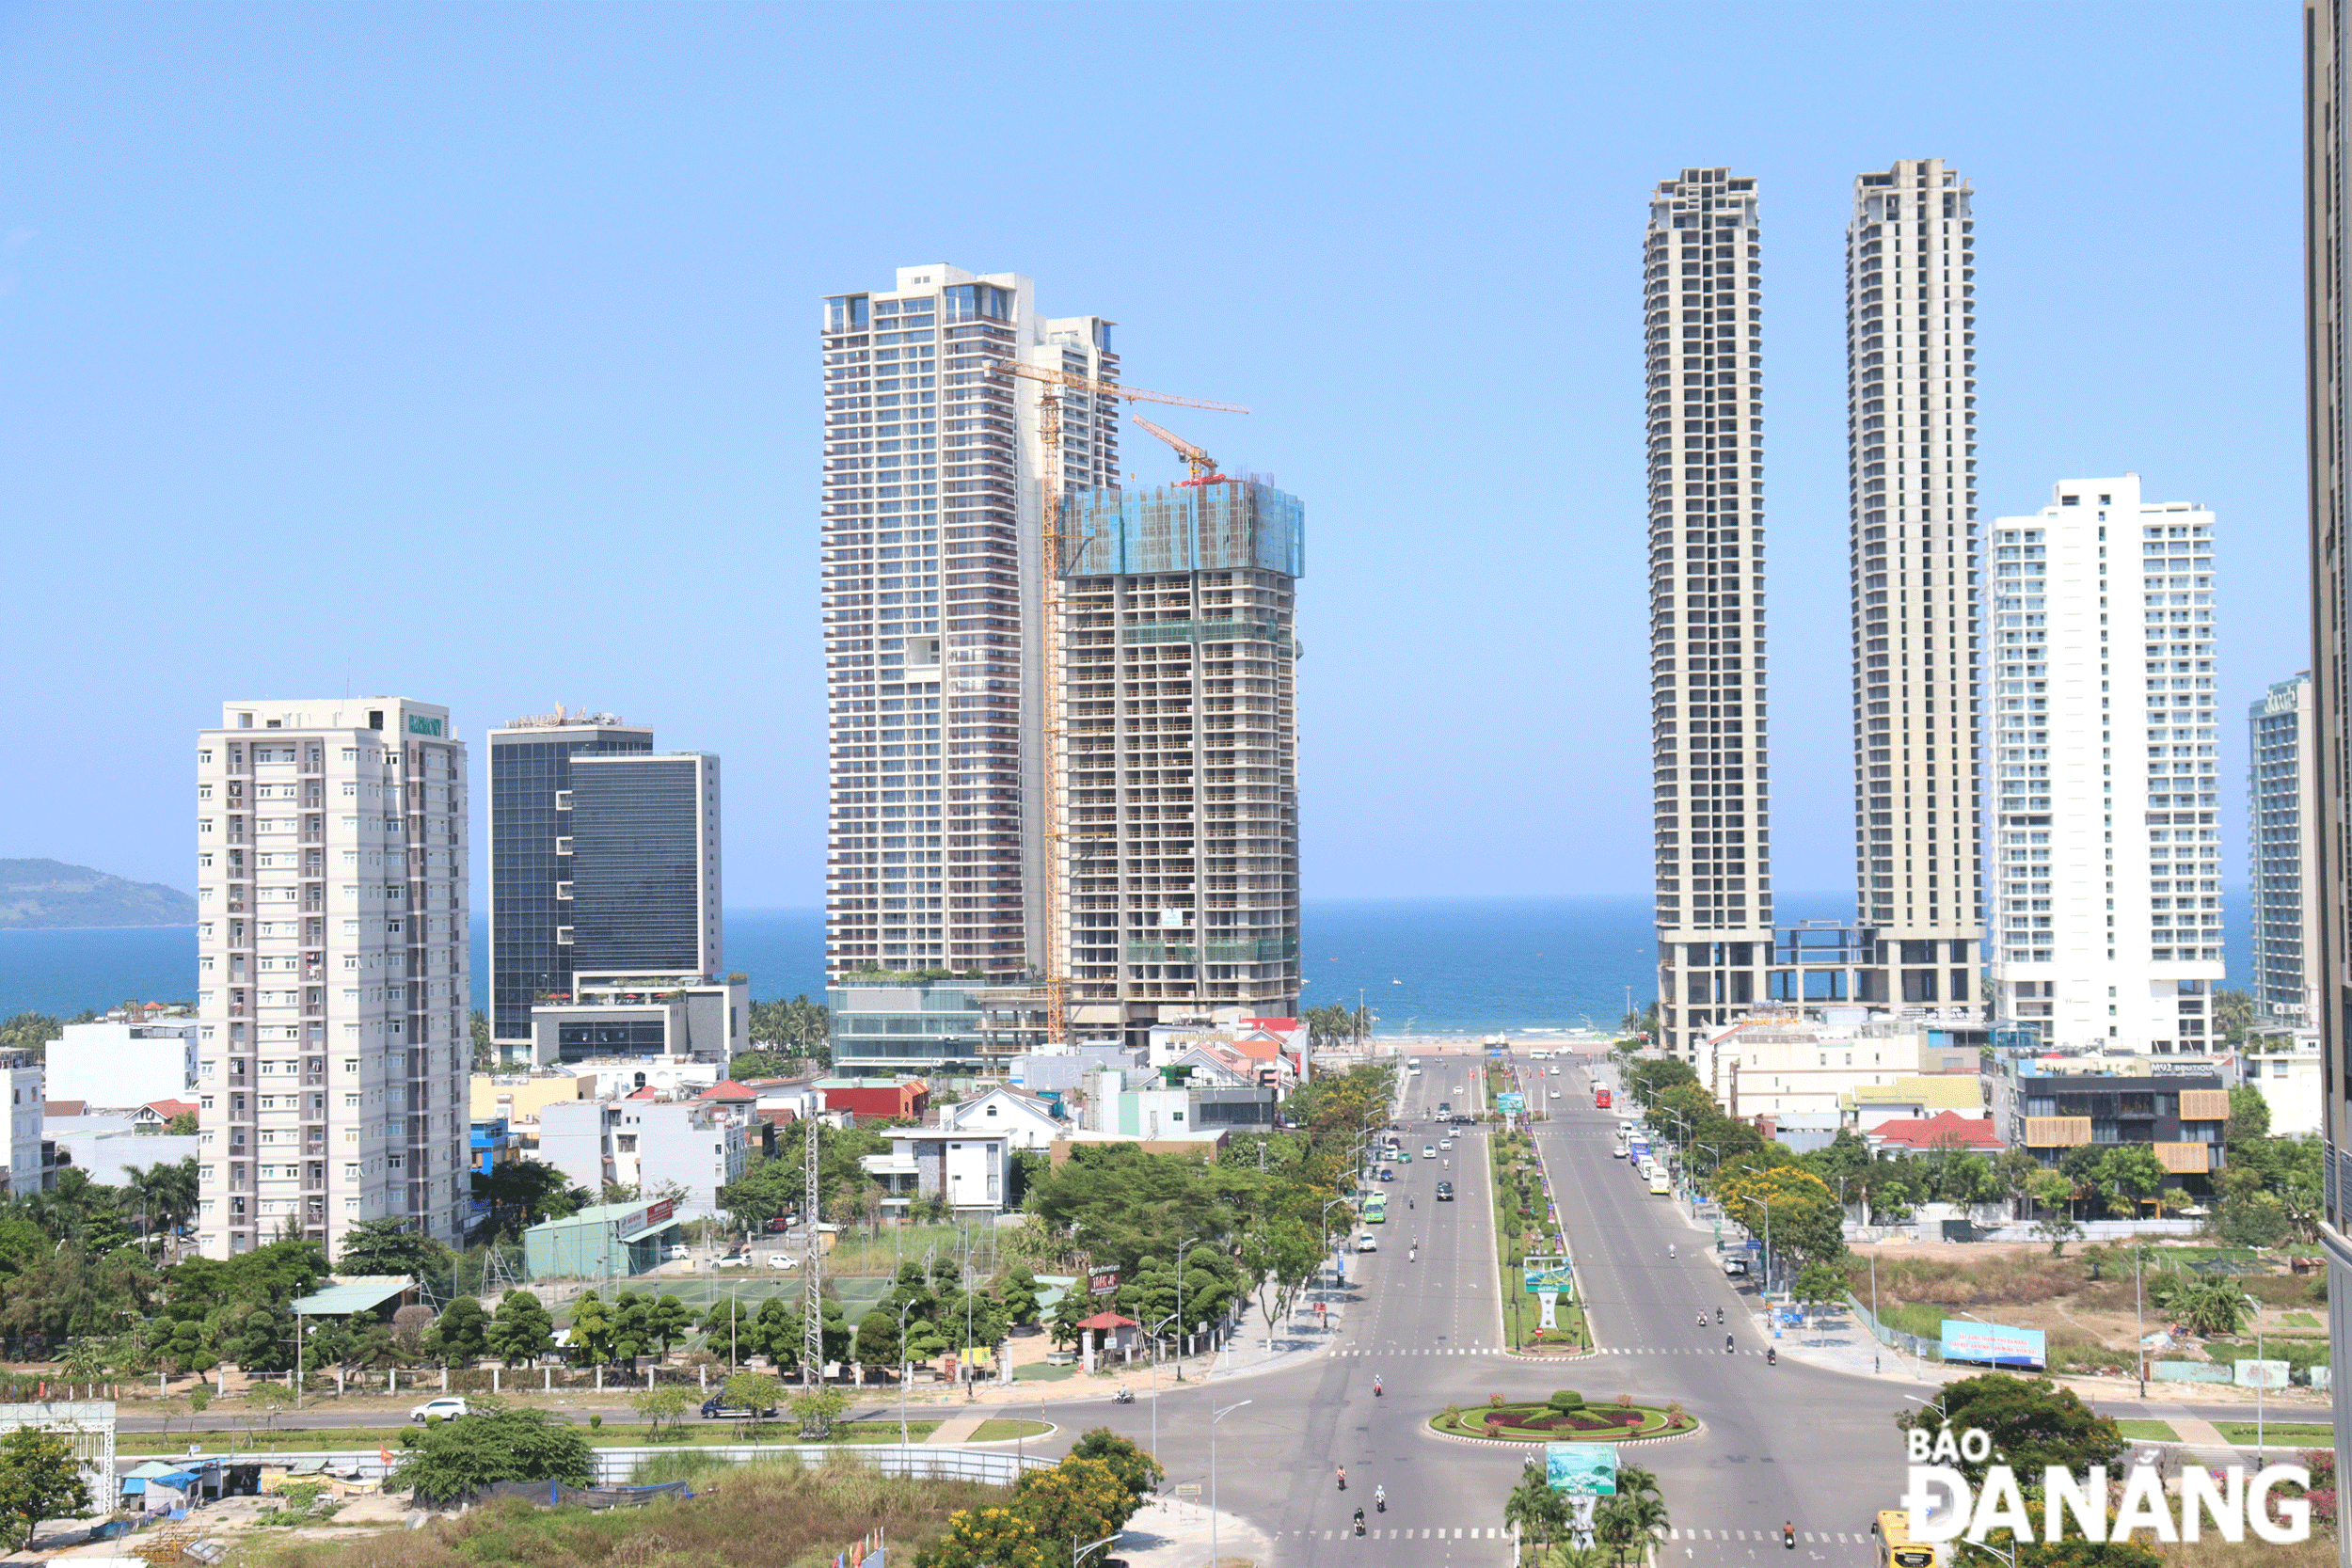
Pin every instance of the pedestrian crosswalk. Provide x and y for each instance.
(1815, 1538)
(1472, 1532)
(1503, 1349)
(1424, 1350)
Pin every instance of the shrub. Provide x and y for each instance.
(1495, 1400)
(1625, 1401)
(1566, 1401)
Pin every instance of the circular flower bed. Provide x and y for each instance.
(1525, 1422)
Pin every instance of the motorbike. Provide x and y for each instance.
(1360, 1521)
(1719, 1314)
(1702, 1320)
(1124, 1396)
(1726, 1345)
(1771, 1356)
(1788, 1537)
(1380, 1500)
(1375, 1387)
(1343, 1480)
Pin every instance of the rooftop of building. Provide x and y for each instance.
(1933, 1091)
(1938, 1130)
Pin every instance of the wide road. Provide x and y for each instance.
(1786, 1443)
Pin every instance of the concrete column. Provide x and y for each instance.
(649, 1377)
(599, 1378)
(547, 1379)
(444, 1379)
(494, 1380)
(339, 1381)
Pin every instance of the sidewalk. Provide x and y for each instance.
(1172, 1533)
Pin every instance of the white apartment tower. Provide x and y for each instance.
(1703, 302)
(2283, 804)
(932, 562)
(1912, 442)
(332, 987)
(2104, 732)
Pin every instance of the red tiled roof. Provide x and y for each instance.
(728, 1088)
(1928, 1131)
(1108, 1320)
(169, 1108)
(65, 1108)
(648, 1092)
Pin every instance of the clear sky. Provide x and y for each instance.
(469, 352)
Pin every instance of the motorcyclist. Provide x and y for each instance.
(1380, 1499)
(1726, 1342)
(1702, 1320)
(1719, 1314)
(1343, 1478)
(1670, 1249)
(1375, 1385)
(1360, 1521)
(1771, 1356)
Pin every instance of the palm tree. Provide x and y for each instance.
(1535, 1508)
(1631, 1517)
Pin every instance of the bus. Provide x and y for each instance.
(1895, 1548)
(1376, 1209)
(1600, 1100)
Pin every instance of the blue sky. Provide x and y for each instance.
(470, 352)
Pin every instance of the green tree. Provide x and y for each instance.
(522, 1331)
(1004, 1537)
(2213, 1307)
(2233, 1015)
(461, 1335)
(816, 1408)
(485, 1056)
(2250, 1117)
(2033, 1423)
(1076, 1501)
(39, 1479)
(667, 1401)
(669, 1322)
(453, 1460)
(1536, 1510)
(594, 1326)
(1820, 1285)
(388, 1247)
(876, 1343)
(1016, 1291)
(2130, 1174)
(1137, 1470)
(521, 1193)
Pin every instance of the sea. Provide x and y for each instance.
(1423, 966)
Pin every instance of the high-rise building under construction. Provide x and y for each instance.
(1911, 432)
(1178, 744)
(934, 485)
(1702, 301)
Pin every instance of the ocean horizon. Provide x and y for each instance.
(1422, 965)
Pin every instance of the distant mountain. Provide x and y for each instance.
(50, 896)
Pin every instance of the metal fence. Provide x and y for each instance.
(616, 1467)
(1926, 1349)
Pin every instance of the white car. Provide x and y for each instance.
(676, 1253)
(784, 1259)
(1367, 1243)
(733, 1261)
(448, 1408)
(1429, 1151)
(1619, 1151)
(1445, 1143)
(1555, 1094)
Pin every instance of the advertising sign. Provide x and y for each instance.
(1548, 1274)
(2261, 1375)
(1102, 1282)
(1581, 1469)
(1994, 1343)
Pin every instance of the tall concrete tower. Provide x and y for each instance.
(1703, 302)
(1912, 433)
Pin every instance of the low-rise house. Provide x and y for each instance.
(156, 1114)
(2291, 1085)
(1978, 1134)
(968, 1169)
(1029, 1121)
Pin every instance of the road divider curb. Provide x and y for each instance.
(1526, 1446)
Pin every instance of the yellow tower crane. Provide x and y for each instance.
(1053, 384)
(1204, 466)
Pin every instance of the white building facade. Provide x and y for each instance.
(931, 498)
(2105, 735)
(1911, 435)
(2281, 802)
(331, 971)
(120, 1066)
(1703, 313)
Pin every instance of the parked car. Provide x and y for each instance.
(676, 1253)
(1735, 1268)
(449, 1407)
(1445, 1192)
(733, 1261)
(784, 1259)
(1367, 1243)
(716, 1408)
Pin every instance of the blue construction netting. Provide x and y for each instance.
(1220, 525)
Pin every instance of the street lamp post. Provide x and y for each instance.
(1326, 1220)
(1077, 1553)
(1215, 1417)
(903, 1376)
(1767, 1241)
(1154, 1332)
(2140, 1319)
(1181, 1248)
(2262, 1381)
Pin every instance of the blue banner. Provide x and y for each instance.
(1581, 1469)
(1995, 1344)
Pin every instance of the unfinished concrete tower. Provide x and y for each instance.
(1179, 753)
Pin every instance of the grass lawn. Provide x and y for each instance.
(1038, 1371)
(2278, 1431)
(2149, 1432)
(2302, 1320)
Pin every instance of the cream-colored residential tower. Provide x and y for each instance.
(331, 983)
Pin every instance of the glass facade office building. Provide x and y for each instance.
(644, 866)
(530, 817)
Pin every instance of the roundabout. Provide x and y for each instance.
(1566, 1417)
